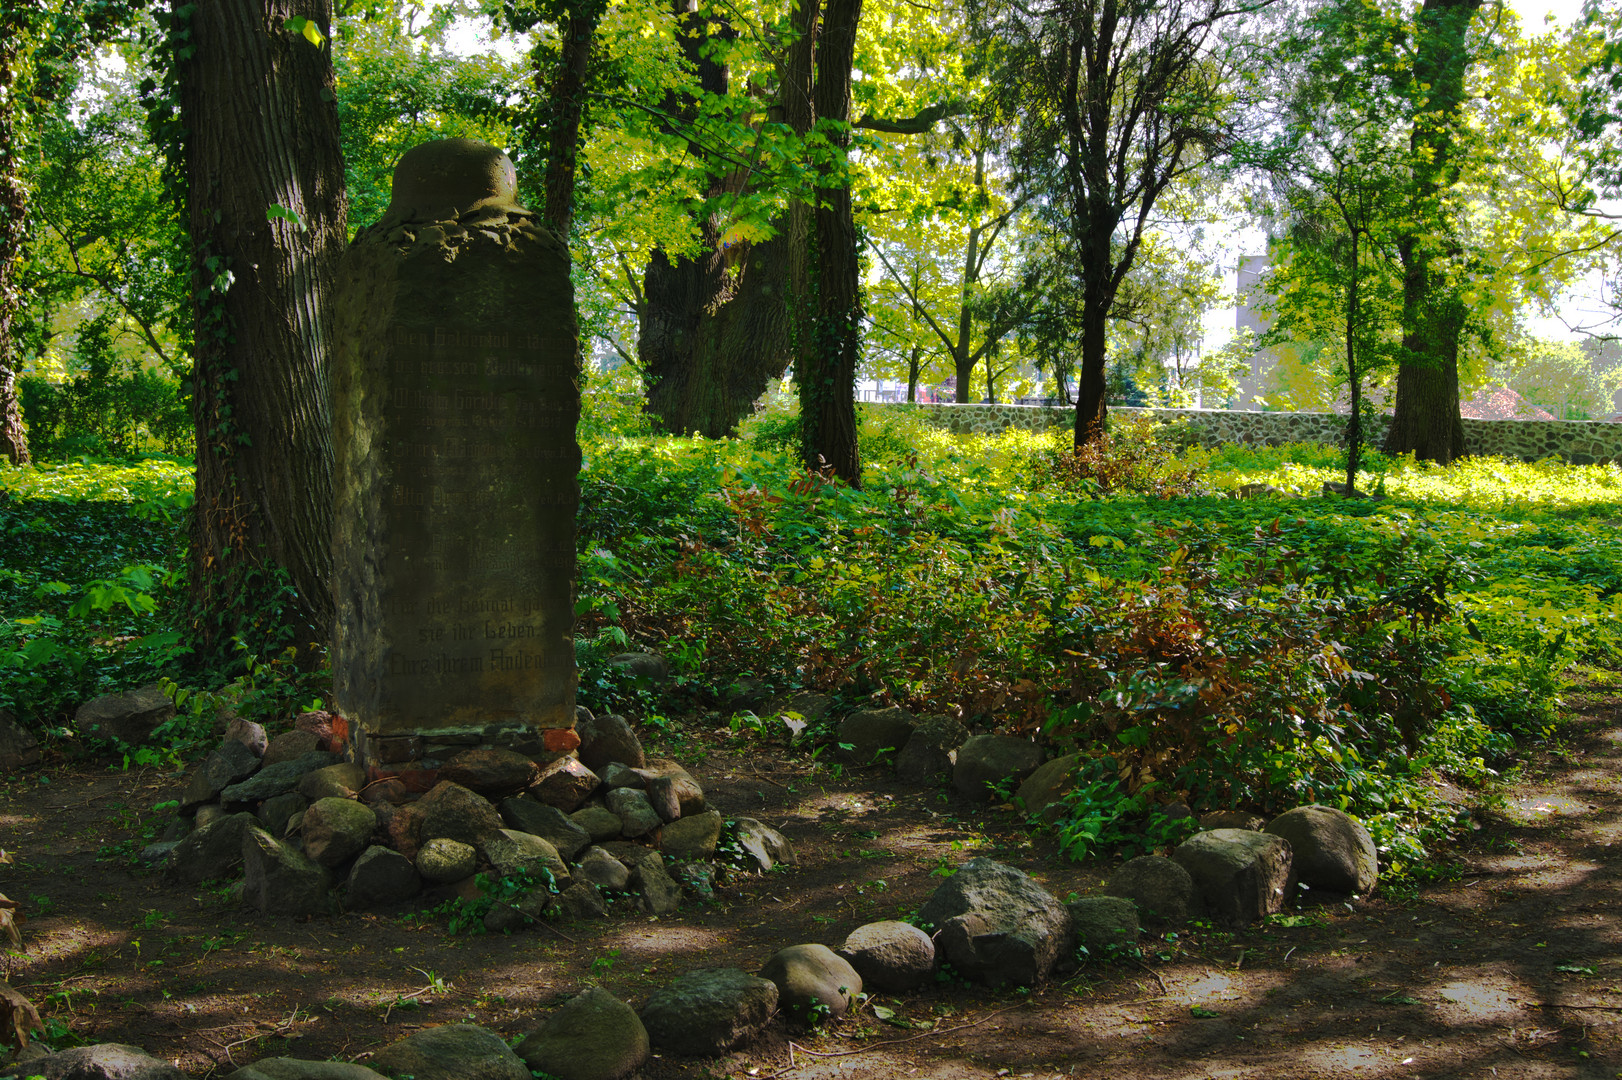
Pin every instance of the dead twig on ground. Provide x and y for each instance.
(1158, 979)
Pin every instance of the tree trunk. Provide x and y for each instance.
(715, 328)
(828, 378)
(1092, 410)
(257, 101)
(568, 94)
(913, 364)
(13, 231)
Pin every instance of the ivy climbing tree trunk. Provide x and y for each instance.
(578, 30)
(13, 232)
(827, 373)
(265, 200)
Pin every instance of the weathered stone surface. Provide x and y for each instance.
(547, 822)
(225, 765)
(811, 978)
(455, 397)
(490, 771)
(341, 781)
(692, 837)
(986, 762)
(322, 724)
(274, 813)
(291, 1069)
(1330, 850)
(872, 732)
(688, 792)
(292, 745)
(521, 852)
(452, 1052)
(609, 738)
(593, 1036)
(662, 796)
(632, 855)
(1104, 925)
(765, 845)
(931, 752)
(158, 854)
(278, 880)
(211, 851)
(708, 1012)
(641, 665)
(616, 775)
(124, 718)
(442, 860)
(18, 747)
(891, 956)
(380, 877)
(103, 1061)
(599, 822)
(1160, 888)
(511, 915)
(336, 830)
(630, 805)
(1232, 819)
(277, 779)
(995, 924)
(249, 734)
(657, 892)
(207, 814)
(565, 784)
(1239, 876)
(452, 812)
(581, 900)
(696, 879)
(603, 870)
(1043, 791)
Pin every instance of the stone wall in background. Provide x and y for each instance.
(1582, 442)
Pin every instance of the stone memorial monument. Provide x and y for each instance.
(455, 396)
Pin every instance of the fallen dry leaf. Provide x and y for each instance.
(9, 920)
(17, 1014)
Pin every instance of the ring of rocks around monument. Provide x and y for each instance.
(602, 831)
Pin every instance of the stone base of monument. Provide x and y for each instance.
(538, 837)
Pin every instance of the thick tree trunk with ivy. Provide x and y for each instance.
(13, 230)
(1425, 415)
(827, 377)
(264, 183)
(578, 29)
(715, 329)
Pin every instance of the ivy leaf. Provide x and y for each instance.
(282, 212)
(298, 24)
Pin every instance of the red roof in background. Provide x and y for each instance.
(1501, 403)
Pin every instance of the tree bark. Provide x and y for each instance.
(715, 328)
(13, 232)
(568, 93)
(257, 100)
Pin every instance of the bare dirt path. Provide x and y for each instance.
(1514, 969)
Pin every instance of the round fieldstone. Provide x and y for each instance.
(547, 822)
(1239, 876)
(636, 814)
(870, 733)
(599, 822)
(1331, 851)
(609, 738)
(692, 837)
(565, 784)
(441, 860)
(986, 762)
(1160, 888)
(603, 870)
(813, 982)
(336, 830)
(452, 1052)
(490, 770)
(593, 1036)
(891, 956)
(381, 877)
(341, 781)
(1104, 925)
(708, 1012)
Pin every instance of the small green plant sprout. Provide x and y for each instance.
(437, 984)
(602, 965)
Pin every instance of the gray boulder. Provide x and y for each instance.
(692, 837)
(631, 806)
(278, 778)
(592, 1036)
(995, 924)
(871, 732)
(565, 784)
(608, 738)
(581, 900)
(616, 775)
(642, 666)
(1239, 876)
(599, 823)
(490, 770)
(930, 754)
(664, 798)
(442, 860)
(249, 734)
(1160, 888)
(278, 880)
(988, 760)
(452, 812)
(696, 879)
(452, 1052)
(1042, 794)
(381, 877)
(521, 913)
(813, 983)
(891, 956)
(764, 844)
(336, 830)
(225, 765)
(274, 813)
(520, 852)
(292, 745)
(1330, 850)
(657, 892)
(547, 822)
(1104, 924)
(291, 1069)
(603, 870)
(688, 792)
(708, 1012)
(124, 718)
(211, 852)
(1232, 819)
(341, 781)
(103, 1061)
(18, 747)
